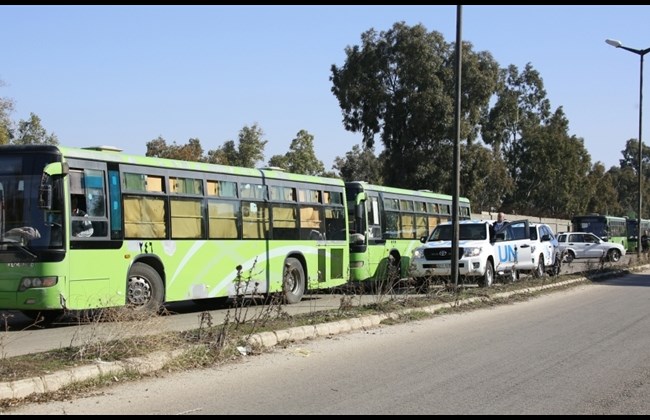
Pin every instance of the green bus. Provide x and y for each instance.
(633, 232)
(386, 223)
(608, 228)
(160, 230)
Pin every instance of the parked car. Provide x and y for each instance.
(574, 245)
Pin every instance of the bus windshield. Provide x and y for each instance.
(25, 228)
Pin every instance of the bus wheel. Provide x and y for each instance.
(393, 271)
(145, 290)
(43, 318)
(293, 281)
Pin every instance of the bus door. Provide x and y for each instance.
(377, 250)
(96, 270)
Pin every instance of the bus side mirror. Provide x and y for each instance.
(57, 169)
(54, 169)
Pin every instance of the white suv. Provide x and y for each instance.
(482, 253)
(574, 245)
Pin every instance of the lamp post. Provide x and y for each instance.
(640, 53)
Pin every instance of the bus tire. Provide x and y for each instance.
(293, 278)
(145, 290)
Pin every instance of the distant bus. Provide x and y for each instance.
(160, 231)
(608, 228)
(633, 232)
(386, 224)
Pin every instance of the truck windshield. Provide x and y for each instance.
(467, 232)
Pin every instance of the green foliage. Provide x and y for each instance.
(191, 151)
(26, 132)
(6, 108)
(627, 181)
(485, 179)
(360, 165)
(553, 168)
(603, 194)
(521, 102)
(32, 132)
(251, 147)
(301, 158)
(399, 85)
(247, 153)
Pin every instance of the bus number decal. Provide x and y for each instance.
(146, 247)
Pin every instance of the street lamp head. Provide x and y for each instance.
(613, 42)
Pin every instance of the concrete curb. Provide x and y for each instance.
(52, 382)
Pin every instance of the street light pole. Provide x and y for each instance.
(640, 53)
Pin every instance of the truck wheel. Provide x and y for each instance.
(488, 277)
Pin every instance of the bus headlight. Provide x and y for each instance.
(33, 282)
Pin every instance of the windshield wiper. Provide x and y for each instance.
(20, 247)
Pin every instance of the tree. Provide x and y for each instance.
(6, 108)
(32, 132)
(224, 155)
(300, 158)
(628, 182)
(192, 151)
(552, 177)
(521, 101)
(247, 153)
(360, 165)
(399, 84)
(521, 104)
(486, 181)
(603, 194)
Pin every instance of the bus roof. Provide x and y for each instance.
(403, 191)
(108, 154)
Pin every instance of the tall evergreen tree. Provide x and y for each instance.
(399, 85)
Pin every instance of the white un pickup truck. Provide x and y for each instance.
(483, 253)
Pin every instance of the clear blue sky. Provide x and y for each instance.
(124, 75)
